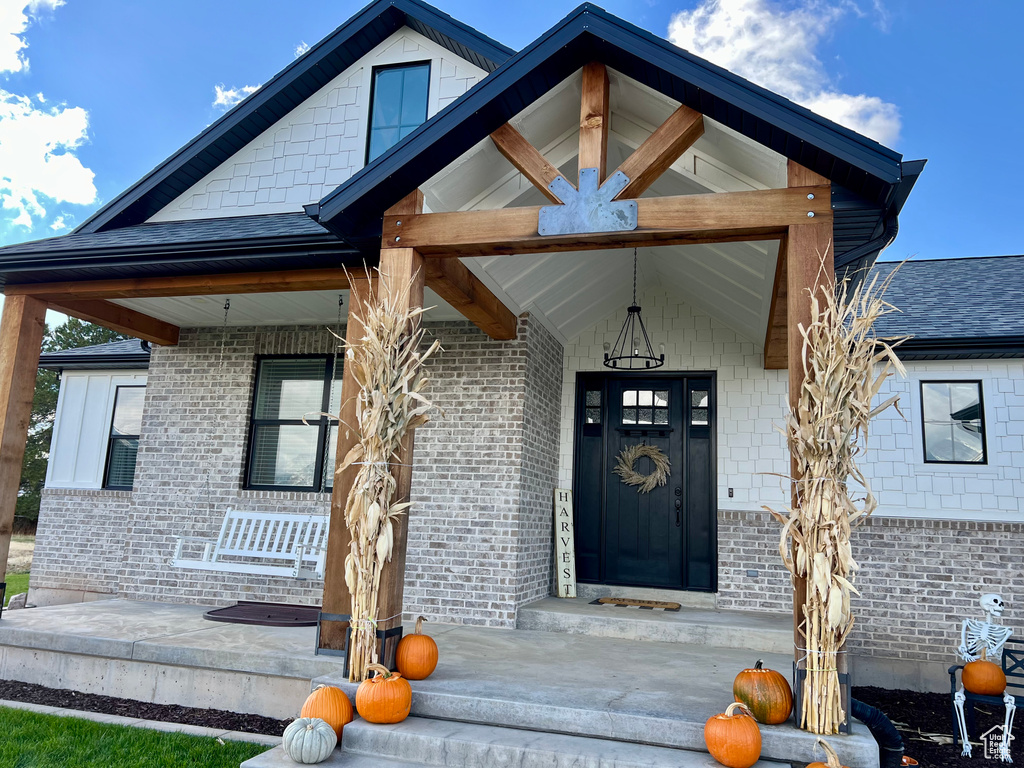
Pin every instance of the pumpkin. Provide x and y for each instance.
(765, 692)
(830, 756)
(331, 705)
(734, 740)
(309, 740)
(983, 677)
(385, 698)
(416, 656)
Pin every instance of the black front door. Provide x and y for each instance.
(664, 537)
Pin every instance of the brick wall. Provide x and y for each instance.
(480, 527)
(80, 540)
(918, 579)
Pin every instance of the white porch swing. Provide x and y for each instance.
(261, 543)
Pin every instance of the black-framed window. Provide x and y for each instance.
(953, 422)
(398, 105)
(284, 452)
(123, 442)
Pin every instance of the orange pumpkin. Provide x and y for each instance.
(765, 692)
(331, 705)
(416, 656)
(830, 756)
(385, 698)
(734, 740)
(983, 677)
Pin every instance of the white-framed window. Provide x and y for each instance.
(123, 442)
(953, 422)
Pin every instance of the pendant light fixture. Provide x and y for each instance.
(632, 350)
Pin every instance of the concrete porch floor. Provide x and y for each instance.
(653, 693)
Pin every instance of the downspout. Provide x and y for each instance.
(890, 743)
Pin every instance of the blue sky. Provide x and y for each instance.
(94, 94)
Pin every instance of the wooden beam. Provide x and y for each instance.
(399, 267)
(662, 148)
(21, 337)
(118, 318)
(527, 160)
(452, 281)
(189, 285)
(594, 119)
(806, 244)
(776, 351)
(336, 597)
(722, 217)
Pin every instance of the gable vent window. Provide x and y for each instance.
(398, 105)
(123, 441)
(954, 422)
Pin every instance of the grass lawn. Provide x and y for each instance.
(16, 583)
(31, 740)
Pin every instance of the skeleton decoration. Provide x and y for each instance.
(976, 635)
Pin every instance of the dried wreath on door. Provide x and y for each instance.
(645, 483)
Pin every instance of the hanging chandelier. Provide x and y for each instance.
(632, 350)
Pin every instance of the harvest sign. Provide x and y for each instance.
(565, 550)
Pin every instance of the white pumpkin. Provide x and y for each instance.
(309, 740)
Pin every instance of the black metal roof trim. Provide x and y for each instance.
(972, 348)
(293, 85)
(130, 354)
(868, 169)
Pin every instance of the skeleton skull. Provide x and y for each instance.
(992, 603)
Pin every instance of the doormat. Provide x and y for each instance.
(644, 605)
(266, 614)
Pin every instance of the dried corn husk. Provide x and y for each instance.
(388, 364)
(845, 366)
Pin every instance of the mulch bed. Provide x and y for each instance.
(167, 713)
(924, 720)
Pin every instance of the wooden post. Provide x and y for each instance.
(21, 338)
(803, 247)
(337, 599)
(594, 122)
(398, 267)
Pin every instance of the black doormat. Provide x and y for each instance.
(266, 614)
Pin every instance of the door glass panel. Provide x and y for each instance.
(661, 398)
(645, 406)
(629, 397)
(699, 408)
(645, 397)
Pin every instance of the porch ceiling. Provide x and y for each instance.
(732, 282)
(290, 308)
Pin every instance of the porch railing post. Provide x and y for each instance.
(21, 338)
(803, 247)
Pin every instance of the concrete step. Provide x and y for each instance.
(748, 630)
(276, 758)
(464, 745)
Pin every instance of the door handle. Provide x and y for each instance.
(679, 508)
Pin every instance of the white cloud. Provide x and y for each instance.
(301, 48)
(60, 223)
(775, 46)
(14, 20)
(226, 98)
(37, 141)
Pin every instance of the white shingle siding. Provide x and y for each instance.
(321, 143)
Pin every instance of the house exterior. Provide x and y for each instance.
(404, 123)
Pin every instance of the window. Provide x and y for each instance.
(645, 406)
(398, 105)
(954, 422)
(285, 453)
(123, 444)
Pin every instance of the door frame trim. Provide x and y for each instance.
(579, 416)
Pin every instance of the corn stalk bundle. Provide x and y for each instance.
(845, 366)
(388, 366)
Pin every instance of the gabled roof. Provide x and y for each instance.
(285, 91)
(128, 354)
(868, 176)
(956, 308)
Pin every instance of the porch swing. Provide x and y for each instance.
(261, 543)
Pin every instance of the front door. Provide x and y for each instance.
(664, 537)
